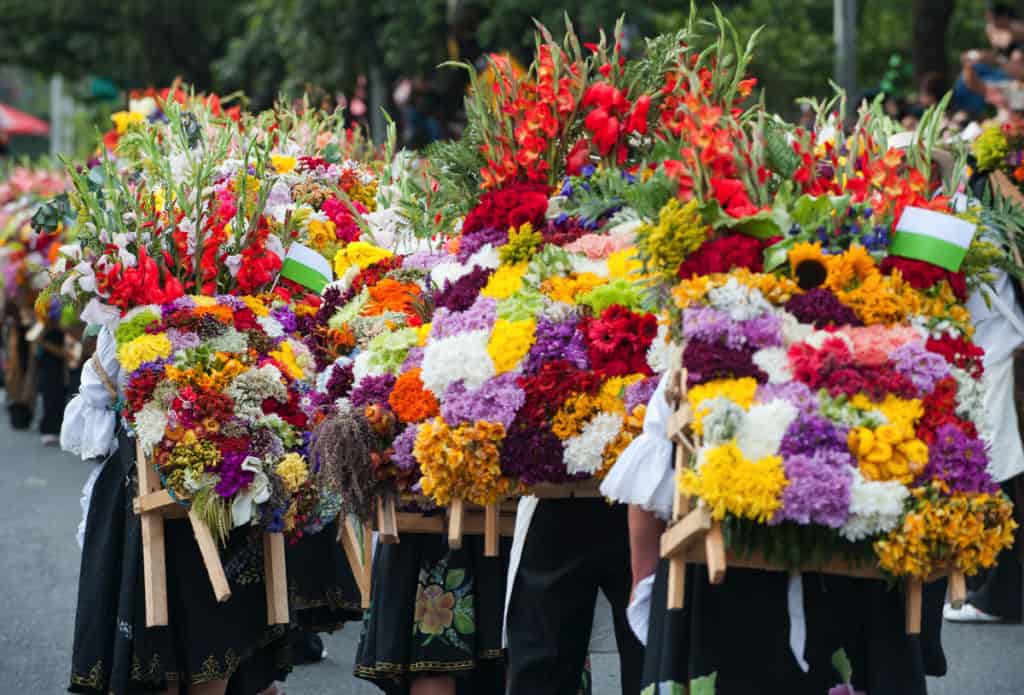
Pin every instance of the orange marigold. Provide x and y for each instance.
(410, 400)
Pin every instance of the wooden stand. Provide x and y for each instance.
(153, 505)
(359, 552)
(695, 538)
(585, 489)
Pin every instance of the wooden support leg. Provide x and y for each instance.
(914, 588)
(368, 560)
(154, 553)
(211, 557)
(677, 582)
(714, 550)
(350, 544)
(456, 517)
(491, 530)
(957, 589)
(387, 523)
(275, 579)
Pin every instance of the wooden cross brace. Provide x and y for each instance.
(153, 505)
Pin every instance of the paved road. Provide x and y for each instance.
(39, 511)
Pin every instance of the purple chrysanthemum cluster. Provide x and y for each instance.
(556, 340)
(496, 401)
(821, 308)
(959, 460)
(819, 488)
(707, 361)
(373, 390)
(460, 295)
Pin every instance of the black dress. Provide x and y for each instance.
(52, 380)
(435, 611)
(323, 594)
(114, 651)
(740, 631)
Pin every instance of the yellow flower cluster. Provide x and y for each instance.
(567, 288)
(522, 244)
(146, 348)
(461, 462)
(365, 193)
(358, 253)
(293, 471)
(680, 231)
(190, 458)
(739, 391)
(216, 379)
(124, 119)
(853, 266)
(422, 333)
(624, 264)
(321, 234)
(729, 483)
(777, 289)
(969, 530)
(579, 408)
(285, 355)
(283, 163)
(892, 451)
(505, 281)
(882, 299)
(509, 343)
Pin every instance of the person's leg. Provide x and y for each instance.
(552, 606)
(617, 584)
(433, 685)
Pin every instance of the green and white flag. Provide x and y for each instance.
(933, 237)
(307, 267)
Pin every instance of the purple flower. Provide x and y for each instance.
(413, 360)
(793, 392)
(184, 302)
(706, 362)
(556, 340)
(497, 400)
(822, 308)
(460, 295)
(339, 383)
(534, 455)
(425, 260)
(480, 316)
(182, 340)
(921, 366)
(819, 488)
(640, 393)
(232, 477)
(712, 326)
(808, 434)
(286, 318)
(959, 460)
(373, 390)
(402, 447)
(474, 241)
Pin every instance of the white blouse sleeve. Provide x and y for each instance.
(89, 428)
(643, 475)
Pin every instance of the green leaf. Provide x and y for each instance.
(776, 255)
(841, 662)
(453, 579)
(705, 685)
(464, 623)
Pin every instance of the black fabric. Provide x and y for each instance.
(573, 548)
(998, 591)
(114, 652)
(435, 611)
(323, 594)
(52, 387)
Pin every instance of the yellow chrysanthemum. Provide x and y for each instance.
(730, 483)
(293, 471)
(321, 234)
(256, 306)
(567, 288)
(509, 343)
(891, 451)
(204, 301)
(145, 348)
(422, 333)
(283, 163)
(358, 253)
(505, 281)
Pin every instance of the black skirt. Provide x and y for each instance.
(323, 594)
(114, 651)
(435, 611)
(739, 630)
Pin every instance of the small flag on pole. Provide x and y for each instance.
(933, 237)
(307, 267)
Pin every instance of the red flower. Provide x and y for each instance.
(732, 196)
(723, 255)
(507, 207)
(618, 340)
(345, 226)
(923, 275)
(959, 353)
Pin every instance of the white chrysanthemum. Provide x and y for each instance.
(741, 302)
(584, 453)
(485, 257)
(362, 367)
(875, 507)
(581, 264)
(150, 425)
(761, 431)
(271, 326)
(462, 356)
(664, 354)
(792, 330)
(723, 420)
(449, 271)
(775, 363)
(229, 341)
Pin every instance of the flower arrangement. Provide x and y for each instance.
(217, 392)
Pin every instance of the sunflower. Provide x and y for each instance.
(807, 263)
(853, 265)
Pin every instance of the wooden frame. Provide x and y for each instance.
(584, 489)
(694, 537)
(153, 505)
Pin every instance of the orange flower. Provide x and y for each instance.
(223, 314)
(391, 295)
(410, 400)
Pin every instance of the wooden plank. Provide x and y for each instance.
(275, 579)
(387, 526)
(350, 544)
(154, 552)
(491, 530)
(456, 519)
(714, 552)
(211, 557)
(914, 587)
(473, 524)
(367, 547)
(677, 563)
(756, 561)
(691, 528)
(957, 589)
(159, 501)
(585, 489)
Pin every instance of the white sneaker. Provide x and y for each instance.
(49, 440)
(968, 614)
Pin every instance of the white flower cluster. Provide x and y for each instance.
(761, 431)
(663, 354)
(459, 357)
(229, 341)
(150, 425)
(774, 362)
(741, 302)
(875, 507)
(250, 388)
(970, 400)
(584, 453)
(271, 326)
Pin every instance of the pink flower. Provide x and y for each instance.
(599, 246)
(872, 345)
